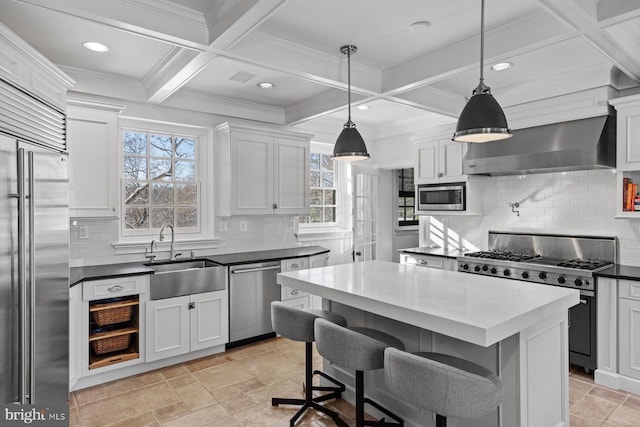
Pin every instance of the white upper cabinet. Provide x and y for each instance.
(628, 132)
(92, 140)
(439, 161)
(23, 66)
(261, 171)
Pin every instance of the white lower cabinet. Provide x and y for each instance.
(300, 303)
(442, 263)
(629, 329)
(180, 325)
(288, 293)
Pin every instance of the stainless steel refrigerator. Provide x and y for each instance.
(34, 274)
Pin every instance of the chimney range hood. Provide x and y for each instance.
(566, 146)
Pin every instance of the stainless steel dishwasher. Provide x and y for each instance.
(252, 287)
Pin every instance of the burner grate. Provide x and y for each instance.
(584, 264)
(503, 255)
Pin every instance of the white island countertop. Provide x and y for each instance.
(477, 309)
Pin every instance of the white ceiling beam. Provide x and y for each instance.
(615, 35)
(320, 105)
(530, 33)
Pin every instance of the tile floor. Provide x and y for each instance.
(235, 389)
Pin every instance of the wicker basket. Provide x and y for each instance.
(112, 315)
(107, 345)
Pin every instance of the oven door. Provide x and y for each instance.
(582, 332)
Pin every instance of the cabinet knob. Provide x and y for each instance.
(192, 305)
(440, 175)
(274, 206)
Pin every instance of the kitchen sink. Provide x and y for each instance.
(177, 278)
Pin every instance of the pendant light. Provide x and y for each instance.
(349, 146)
(482, 119)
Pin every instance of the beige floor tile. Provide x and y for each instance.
(286, 388)
(195, 396)
(607, 394)
(209, 416)
(624, 416)
(181, 381)
(593, 409)
(158, 395)
(171, 411)
(222, 376)
(248, 351)
(266, 417)
(113, 409)
(578, 421)
(632, 402)
(207, 362)
(145, 420)
(133, 383)
(273, 367)
(173, 371)
(74, 418)
(578, 388)
(90, 394)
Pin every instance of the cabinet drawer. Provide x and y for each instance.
(294, 264)
(107, 288)
(630, 289)
(423, 261)
(288, 293)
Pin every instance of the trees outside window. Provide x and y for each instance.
(160, 181)
(406, 198)
(322, 180)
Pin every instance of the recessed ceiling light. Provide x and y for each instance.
(363, 107)
(419, 26)
(266, 85)
(501, 66)
(96, 47)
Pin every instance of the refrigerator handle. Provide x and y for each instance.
(32, 282)
(22, 286)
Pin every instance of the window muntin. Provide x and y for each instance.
(160, 181)
(322, 181)
(406, 198)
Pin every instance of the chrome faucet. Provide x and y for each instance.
(173, 250)
(149, 254)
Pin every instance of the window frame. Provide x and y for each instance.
(326, 149)
(404, 194)
(203, 177)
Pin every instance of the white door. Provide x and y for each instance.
(167, 328)
(209, 314)
(365, 190)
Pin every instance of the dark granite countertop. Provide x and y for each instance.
(620, 272)
(426, 250)
(97, 272)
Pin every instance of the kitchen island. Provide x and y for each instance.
(518, 330)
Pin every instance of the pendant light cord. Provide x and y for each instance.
(349, 81)
(482, 88)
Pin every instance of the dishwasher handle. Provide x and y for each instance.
(251, 270)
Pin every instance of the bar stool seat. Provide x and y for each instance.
(360, 349)
(446, 385)
(297, 325)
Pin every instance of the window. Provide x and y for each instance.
(322, 179)
(406, 198)
(160, 182)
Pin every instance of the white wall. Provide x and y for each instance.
(581, 202)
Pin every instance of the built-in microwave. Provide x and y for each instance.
(442, 197)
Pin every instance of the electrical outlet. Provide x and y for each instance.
(83, 232)
(223, 226)
(292, 224)
(243, 225)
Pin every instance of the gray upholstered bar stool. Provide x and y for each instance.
(443, 384)
(297, 325)
(360, 349)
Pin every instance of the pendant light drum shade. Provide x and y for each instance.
(482, 120)
(349, 146)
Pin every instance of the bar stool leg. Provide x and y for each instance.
(441, 421)
(359, 399)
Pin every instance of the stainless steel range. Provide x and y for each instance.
(552, 259)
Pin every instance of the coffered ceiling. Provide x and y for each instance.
(209, 55)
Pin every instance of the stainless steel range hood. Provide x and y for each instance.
(567, 146)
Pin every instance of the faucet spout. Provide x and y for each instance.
(173, 251)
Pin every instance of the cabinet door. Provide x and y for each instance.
(292, 265)
(451, 154)
(291, 176)
(209, 320)
(252, 170)
(629, 337)
(628, 135)
(301, 303)
(427, 166)
(320, 260)
(92, 140)
(167, 328)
